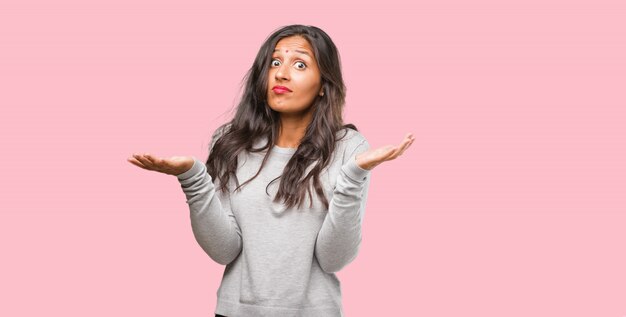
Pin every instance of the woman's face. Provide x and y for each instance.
(293, 66)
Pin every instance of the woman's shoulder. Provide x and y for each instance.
(221, 130)
(350, 142)
(350, 136)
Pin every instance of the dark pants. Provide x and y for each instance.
(217, 315)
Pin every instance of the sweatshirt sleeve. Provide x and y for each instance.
(339, 238)
(212, 221)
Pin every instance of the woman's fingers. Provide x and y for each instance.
(159, 164)
(153, 160)
(406, 142)
(141, 158)
(134, 161)
(153, 163)
(405, 146)
(148, 161)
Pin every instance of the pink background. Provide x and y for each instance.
(511, 201)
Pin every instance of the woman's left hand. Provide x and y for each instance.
(372, 157)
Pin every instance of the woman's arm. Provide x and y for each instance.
(339, 238)
(212, 221)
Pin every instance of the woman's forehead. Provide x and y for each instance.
(295, 44)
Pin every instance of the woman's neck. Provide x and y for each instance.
(292, 130)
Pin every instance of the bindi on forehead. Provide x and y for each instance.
(297, 51)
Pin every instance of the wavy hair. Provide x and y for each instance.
(254, 119)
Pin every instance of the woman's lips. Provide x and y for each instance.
(280, 90)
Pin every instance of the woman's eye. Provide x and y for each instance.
(301, 63)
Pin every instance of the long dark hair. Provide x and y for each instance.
(255, 119)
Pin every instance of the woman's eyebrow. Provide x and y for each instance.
(299, 51)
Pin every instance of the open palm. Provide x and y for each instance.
(372, 157)
(174, 165)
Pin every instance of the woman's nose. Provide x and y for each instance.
(282, 72)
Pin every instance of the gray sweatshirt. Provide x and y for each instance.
(280, 262)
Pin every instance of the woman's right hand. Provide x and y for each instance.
(174, 165)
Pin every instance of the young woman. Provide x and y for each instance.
(296, 218)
